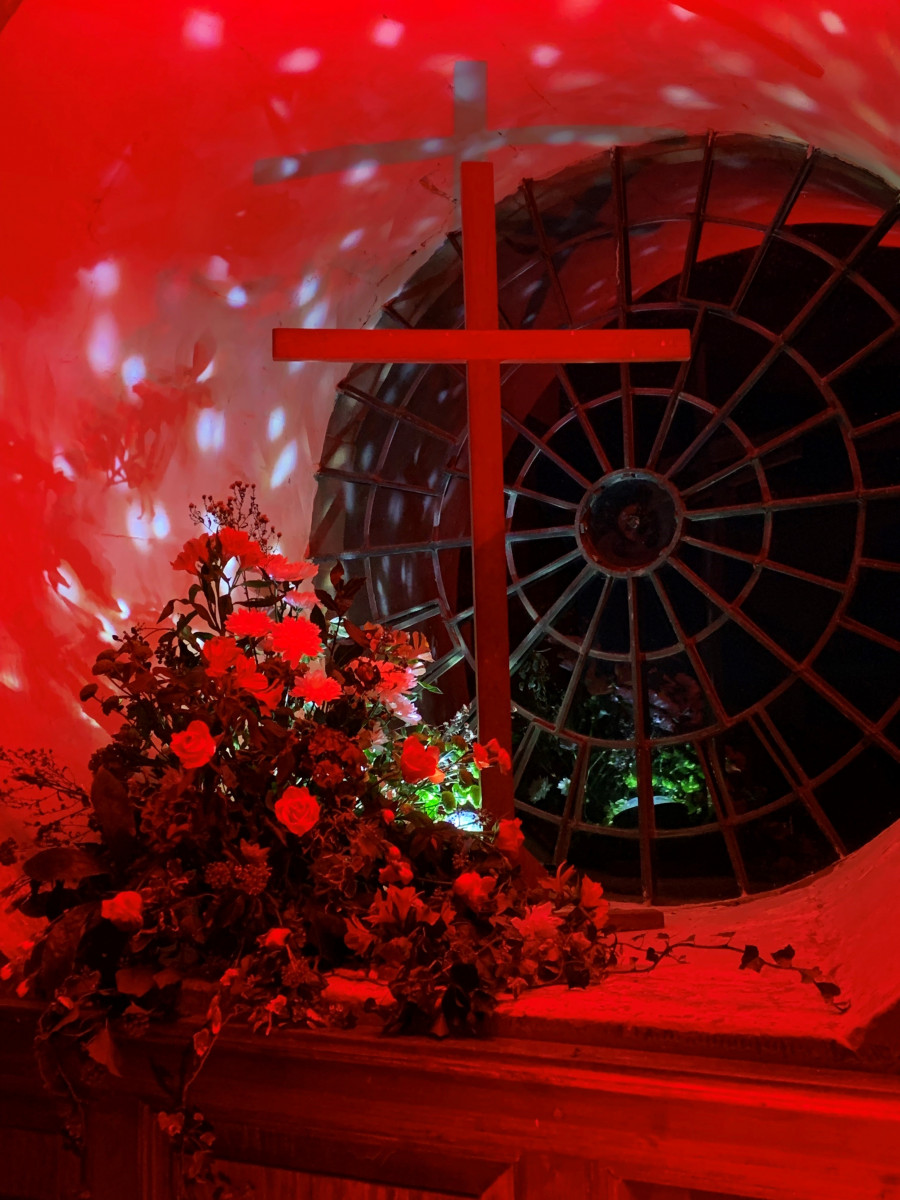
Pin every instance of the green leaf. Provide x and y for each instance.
(750, 959)
(784, 957)
(135, 981)
(61, 942)
(828, 990)
(102, 1050)
(109, 800)
(63, 862)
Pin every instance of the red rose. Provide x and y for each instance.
(509, 837)
(419, 762)
(491, 754)
(195, 746)
(249, 622)
(475, 889)
(396, 872)
(275, 938)
(125, 910)
(296, 638)
(387, 815)
(297, 809)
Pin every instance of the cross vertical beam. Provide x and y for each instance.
(488, 517)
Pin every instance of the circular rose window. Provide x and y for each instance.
(703, 558)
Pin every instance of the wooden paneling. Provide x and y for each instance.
(274, 1183)
(34, 1166)
(352, 1116)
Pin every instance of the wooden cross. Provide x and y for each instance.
(483, 346)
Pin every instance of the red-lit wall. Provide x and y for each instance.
(141, 268)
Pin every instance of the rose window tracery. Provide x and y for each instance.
(703, 558)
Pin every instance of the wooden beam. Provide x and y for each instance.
(487, 499)
(480, 344)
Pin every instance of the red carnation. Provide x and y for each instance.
(249, 622)
(193, 551)
(297, 809)
(539, 923)
(221, 653)
(276, 566)
(419, 762)
(296, 638)
(125, 910)
(315, 687)
(237, 543)
(194, 746)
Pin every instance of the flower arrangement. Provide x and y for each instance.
(271, 809)
(271, 813)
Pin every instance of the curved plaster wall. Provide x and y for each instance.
(143, 267)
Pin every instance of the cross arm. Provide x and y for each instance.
(481, 345)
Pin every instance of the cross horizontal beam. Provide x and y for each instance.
(481, 345)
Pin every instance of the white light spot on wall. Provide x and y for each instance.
(316, 316)
(298, 61)
(102, 279)
(160, 524)
(109, 630)
(63, 466)
(203, 29)
(133, 370)
(561, 137)
(103, 345)
(683, 14)
(573, 81)
(288, 167)
(684, 97)
(731, 61)
(306, 289)
(573, 9)
(281, 107)
(10, 678)
(138, 526)
(70, 588)
(387, 33)
(217, 269)
(294, 368)
(207, 372)
(276, 423)
(286, 462)
(124, 609)
(831, 22)
(236, 297)
(210, 430)
(361, 172)
(787, 94)
(545, 56)
(352, 239)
